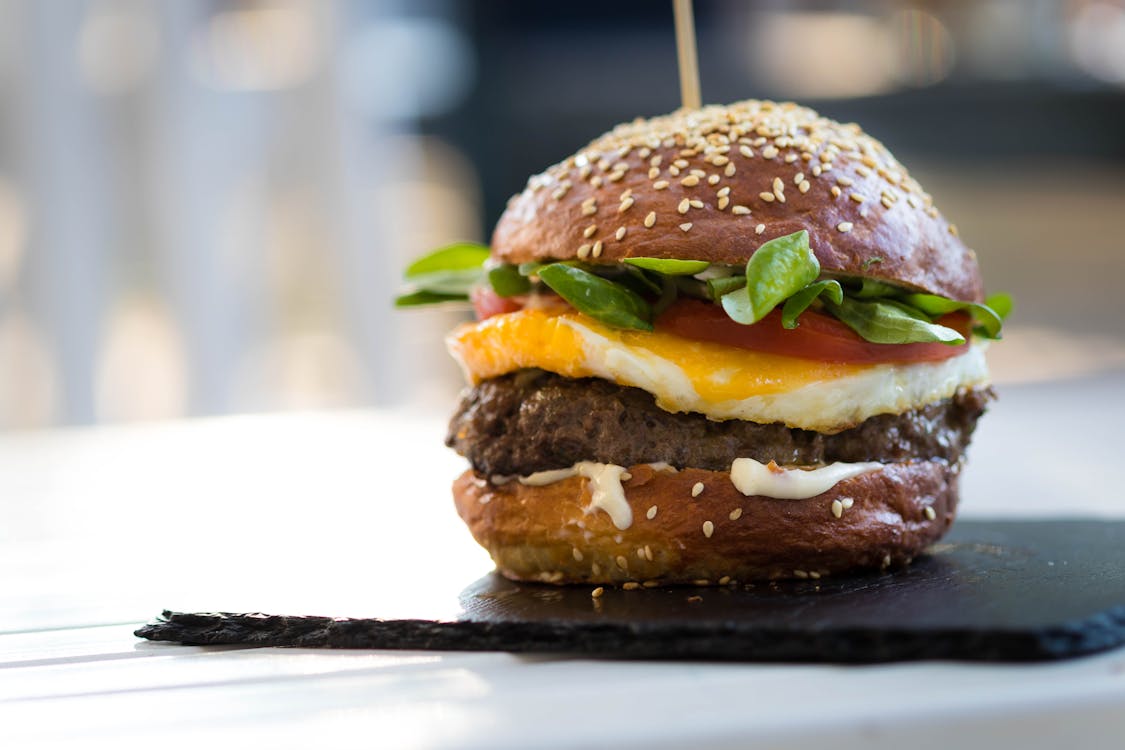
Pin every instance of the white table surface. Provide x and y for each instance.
(102, 528)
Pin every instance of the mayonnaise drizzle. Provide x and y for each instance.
(606, 492)
(753, 478)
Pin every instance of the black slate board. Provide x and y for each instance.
(992, 591)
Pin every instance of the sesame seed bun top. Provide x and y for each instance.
(715, 183)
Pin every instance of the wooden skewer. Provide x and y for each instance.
(689, 60)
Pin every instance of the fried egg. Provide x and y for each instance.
(719, 381)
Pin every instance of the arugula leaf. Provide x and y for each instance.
(670, 267)
(448, 282)
(415, 299)
(776, 271)
(716, 288)
(1001, 304)
(800, 301)
(885, 321)
(988, 321)
(507, 281)
(462, 256)
(601, 299)
(448, 273)
(871, 288)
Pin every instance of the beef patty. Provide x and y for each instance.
(533, 420)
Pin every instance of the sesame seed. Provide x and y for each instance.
(816, 170)
(746, 151)
(641, 553)
(844, 226)
(953, 229)
(690, 181)
(720, 161)
(837, 508)
(801, 573)
(735, 514)
(708, 529)
(767, 197)
(844, 181)
(759, 229)
(887, 202)
(778, 185)
(648, 553)
(674, 170)
(836, 192)
(651, 584)
(596, 181)
(769, 152)
(723, 191)
(886, 561)
(584, 250)
(589, 231)
(848, 502)
(660, 184)
(713, 179)
(724, 580)
(577, 554)
(685, 204)
(615, 176)
(740, 210)
(930, 512)
(622, 562)
(651, 514)
(804, 187)
(862, 171)
(650, 219)
(798, 178)
(596, 252)
(814, 574)
(730, 170)
(696, 489)
(701, 582)
(686, 226)
(620, 234)
(694, 599)
(644, 152)
(653, 173)
(856, 197)
(596, 593)
(723, 202)
(630, 585)
(626, 204)
(696, 203)
(790, 158)
(656, 160)
(595, 569)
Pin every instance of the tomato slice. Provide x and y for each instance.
(487, 303)
(818, 336)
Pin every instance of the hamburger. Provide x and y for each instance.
(727, 344)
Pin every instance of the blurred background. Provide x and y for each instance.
(205, 205)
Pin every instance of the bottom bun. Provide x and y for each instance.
(548, 533)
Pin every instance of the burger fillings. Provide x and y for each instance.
(735, 343)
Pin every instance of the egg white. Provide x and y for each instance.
(824, 406)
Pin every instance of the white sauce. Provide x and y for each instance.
(606, 491)
(753, 478)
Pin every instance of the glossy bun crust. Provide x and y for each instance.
(749, 173)
(546, 534)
